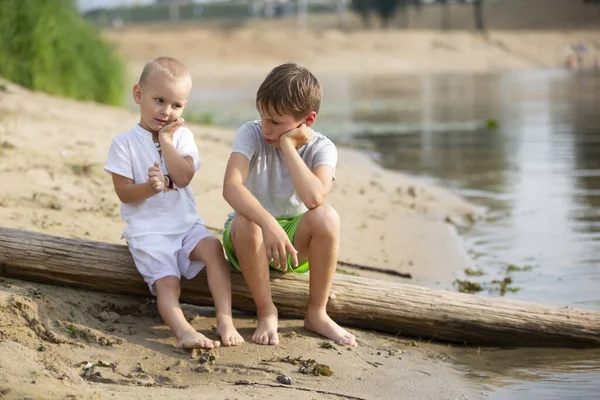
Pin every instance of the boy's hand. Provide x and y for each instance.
(156, 179)
(165, 134)
(278, 245)
(298, 136)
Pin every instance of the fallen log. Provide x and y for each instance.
(391, 307)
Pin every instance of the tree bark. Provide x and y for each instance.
(365, 303)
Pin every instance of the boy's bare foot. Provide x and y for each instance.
(266, 330)
(319, 322)
(229, 335)
(192, 339)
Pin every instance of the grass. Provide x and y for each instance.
(47, 46)
(83, 168)
(72, 331)
(204, 118)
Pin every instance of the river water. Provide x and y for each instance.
(524, 146)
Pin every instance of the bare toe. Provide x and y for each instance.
(229, 335)
(195, 340)
(266, 330)
(319, 322)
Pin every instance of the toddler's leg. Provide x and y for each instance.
(210, 251)
(249, 249)
(317, 237)
(168, 290)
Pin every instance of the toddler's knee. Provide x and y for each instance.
(325, 219)
(214, 245)
(212, 248)
(168, 283)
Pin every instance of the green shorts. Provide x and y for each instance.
(289, 225)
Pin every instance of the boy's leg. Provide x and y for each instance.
(168, 290)
(248, 245)
(210, 251)
(317, 237)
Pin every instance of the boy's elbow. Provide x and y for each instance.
(228, 190)
(315, 201)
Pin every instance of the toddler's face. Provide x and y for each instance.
(162, 100)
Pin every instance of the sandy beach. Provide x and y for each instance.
(52, 156)
(58, 342)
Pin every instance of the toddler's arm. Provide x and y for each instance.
(130, 192)
(181, 168)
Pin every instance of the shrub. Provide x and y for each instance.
(46, 45)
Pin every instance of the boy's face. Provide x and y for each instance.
(161, 100)
(274, 125)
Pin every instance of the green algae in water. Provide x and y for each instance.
(465, 286)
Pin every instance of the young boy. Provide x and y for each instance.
(277, 180)
(152, 166)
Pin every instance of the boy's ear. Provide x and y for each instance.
(310, 118)
(137, 94)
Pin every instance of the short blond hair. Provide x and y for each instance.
(168, 66)
(289, 89)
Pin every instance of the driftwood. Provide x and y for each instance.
(365, 303)
(387, 271)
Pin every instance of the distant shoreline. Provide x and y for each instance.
(223, 55)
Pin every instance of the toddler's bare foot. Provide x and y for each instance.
(319, 322)
(192, 339)
(266, 330)
(229, 335)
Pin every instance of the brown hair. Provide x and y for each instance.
(168, 66)
(289, 89)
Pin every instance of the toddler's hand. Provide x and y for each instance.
(299, 136)
(166, 132)
(156, 179)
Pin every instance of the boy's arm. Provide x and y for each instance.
(312, 186)
(239, 197)
(181, 168)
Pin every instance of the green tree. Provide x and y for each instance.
(363, 8)
(46, 46)
(386, 10)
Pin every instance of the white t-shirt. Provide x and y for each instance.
(269, 178)
(171, 212)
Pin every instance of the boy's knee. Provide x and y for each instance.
(244, 229)
(325, 218)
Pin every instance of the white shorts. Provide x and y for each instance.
(158, 256)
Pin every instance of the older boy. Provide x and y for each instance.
(152, 166)
(277, 180)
